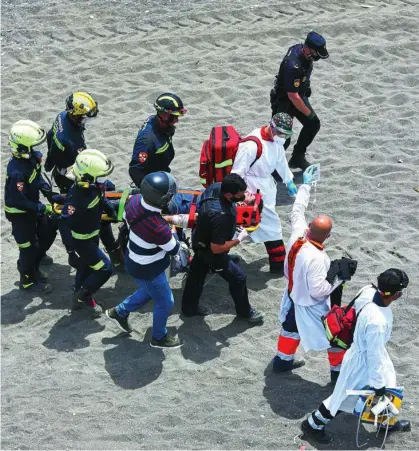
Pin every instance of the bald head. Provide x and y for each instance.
(320, 228)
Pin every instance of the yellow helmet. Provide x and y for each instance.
(81, 104)
(90, 165)
(24, 136)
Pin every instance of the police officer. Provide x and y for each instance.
(212, 240)
(153, 148)
(31, 225)
(150, 245)
(292, 90)
(82, 212)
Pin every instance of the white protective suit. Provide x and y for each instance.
(311, 290)
(259, 176)
(367, 361)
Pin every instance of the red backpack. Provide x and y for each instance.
(218, 153)
(339, 324)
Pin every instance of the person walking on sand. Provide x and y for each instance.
(292, 90)
(367, 362)
(151, 243)
(258, 176)
(306, 297)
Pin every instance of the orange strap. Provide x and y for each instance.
(292, 255)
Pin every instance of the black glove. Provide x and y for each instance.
(308, 93)
(49, 195)
(380, 391)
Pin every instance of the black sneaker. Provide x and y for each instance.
(120, 321)
(200, 311)
(95, 308)
(299, 161)
(283, 366)
(319, 435)
(254, 317)
(41, 276)
(168, 341)
(76, 302)
(46, 260)
(399, 426)
(36, 288)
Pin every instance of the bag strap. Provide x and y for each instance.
(351, 304)
(256, 140)
(192, 211)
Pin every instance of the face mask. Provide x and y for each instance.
(279, 139)
(238, 199)
(84, 120)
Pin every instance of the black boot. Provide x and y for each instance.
(29, 284)
(319, 435)
(299, 161)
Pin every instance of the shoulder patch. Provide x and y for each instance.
(297, 82)
(142, 157)
(71, 210)
(19, 186)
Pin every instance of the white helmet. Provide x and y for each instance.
(91, 164)
(24, 136)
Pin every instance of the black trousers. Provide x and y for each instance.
(310, 126)
(229, 271)
(34, 235)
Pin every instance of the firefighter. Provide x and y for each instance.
(153, 149)
(32, 228)
(82, 212)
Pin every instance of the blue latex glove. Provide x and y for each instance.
(292, 188)
(308, 175)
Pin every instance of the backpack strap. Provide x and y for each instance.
(192, 211)
(256, 140)
(351, 304)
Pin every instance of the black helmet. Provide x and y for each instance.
(169, 103)
(158, 188)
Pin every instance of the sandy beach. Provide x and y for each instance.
(71, 382)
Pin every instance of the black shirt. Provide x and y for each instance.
(216, 219)
(294, 73)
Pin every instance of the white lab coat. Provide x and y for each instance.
(311, 290)
(259, 176)
(367, 361)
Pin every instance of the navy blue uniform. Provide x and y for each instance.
(82, 213)
(216, 224)
(153, 150)
(65, 142)
(32, 229)
(294, 76)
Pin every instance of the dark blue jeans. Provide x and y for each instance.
(157, 289)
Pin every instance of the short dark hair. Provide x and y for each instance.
(392, 280)
(233, 184)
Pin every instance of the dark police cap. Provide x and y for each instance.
(317, 42)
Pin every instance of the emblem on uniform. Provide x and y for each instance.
(71, 210)
(142, 157)
(297, 83)
(19, 186)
